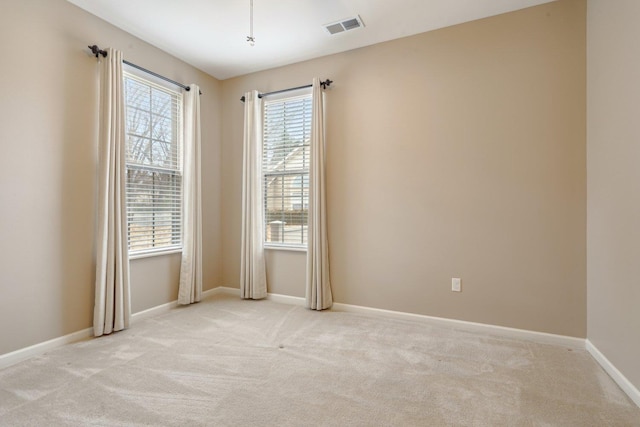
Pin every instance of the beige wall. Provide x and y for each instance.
(454, 153)
(48, 111)
(613, 186)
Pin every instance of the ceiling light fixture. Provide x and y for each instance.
(250, 38)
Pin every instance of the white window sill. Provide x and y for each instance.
(148, 254)
(271, 246)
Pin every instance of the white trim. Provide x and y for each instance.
(150, 78)
(622, 381)
(19, 355)
(14, 357)
(209, 292)
(154, 252)
(286, 299)
(541, 337)
(164, 308)
(301, 93)
(153, 311)
(503, 331)
(278, 298)
(275, 247)
(224, 290)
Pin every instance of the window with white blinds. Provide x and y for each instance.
(285, 166)
(153, 166)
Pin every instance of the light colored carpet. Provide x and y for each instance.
(227, 362)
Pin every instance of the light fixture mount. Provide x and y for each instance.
(250, 38)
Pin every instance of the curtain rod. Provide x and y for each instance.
(325, 84)
(97, 52)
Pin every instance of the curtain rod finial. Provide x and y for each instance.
(97, 51)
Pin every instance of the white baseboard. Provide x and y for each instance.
(206, 293)
(279, 298)
(164, 308)
(225, 290)
(14, 357)
(622, 381)
(286, 299)
(19, 355)
(541, 337)
(503, 331)
(153, 311)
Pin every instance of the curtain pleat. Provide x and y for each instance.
(190, 290)
(253, 278)
(112, 308)
(318, 284)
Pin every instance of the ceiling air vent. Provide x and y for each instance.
(344, 25)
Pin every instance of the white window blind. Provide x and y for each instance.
(153, 166)
(285, 165)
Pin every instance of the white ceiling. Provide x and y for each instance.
(211, 34)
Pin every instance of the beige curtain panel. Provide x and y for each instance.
(112, 308)
(318, 284)
(253, 277)
(190, 290)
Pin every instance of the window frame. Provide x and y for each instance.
(177, 171)
(288, 246)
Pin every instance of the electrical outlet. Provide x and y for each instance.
(456, 285)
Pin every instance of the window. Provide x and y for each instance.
(285, 165)
(300, 193)
(153, 166)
